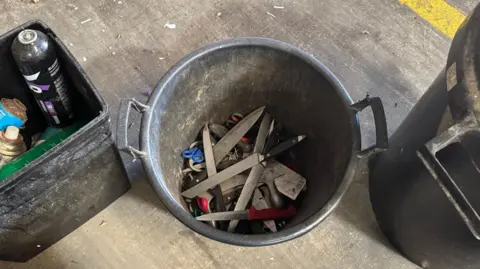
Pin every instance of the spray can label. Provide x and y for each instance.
(50, 94)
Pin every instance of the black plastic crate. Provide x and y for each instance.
(69, 184)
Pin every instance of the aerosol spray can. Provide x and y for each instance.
(35, 55)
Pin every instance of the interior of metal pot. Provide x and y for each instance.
(242, 78)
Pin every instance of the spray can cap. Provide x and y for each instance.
(27, 36)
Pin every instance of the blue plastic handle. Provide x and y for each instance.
(194, 153)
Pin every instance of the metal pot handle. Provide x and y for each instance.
(122, 126)
(381, 131)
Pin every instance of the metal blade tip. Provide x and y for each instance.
(260, 109)
(200, 218)
(301, 137)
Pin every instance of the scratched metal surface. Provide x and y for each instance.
(374, 46)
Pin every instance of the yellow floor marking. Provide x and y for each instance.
(438, 13)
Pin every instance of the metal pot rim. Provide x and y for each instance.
(154, 171)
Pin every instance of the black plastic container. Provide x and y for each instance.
(424, 188)
(70, 183)
(240, 75)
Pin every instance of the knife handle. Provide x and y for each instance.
(271, 213)
(284, 146)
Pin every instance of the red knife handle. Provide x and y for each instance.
(271, 213)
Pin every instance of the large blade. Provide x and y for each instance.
(273, 171)
(239, 167)
(251, 214)
(208, 150)
(230, 215)
(247, 192)
(221, 131)
(262, 134)
(223, 147)
(256, 171)
(223, 175)
(212, 168)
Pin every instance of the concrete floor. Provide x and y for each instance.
(375, 46)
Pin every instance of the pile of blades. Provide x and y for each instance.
(243, 170)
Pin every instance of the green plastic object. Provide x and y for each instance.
(29, 156)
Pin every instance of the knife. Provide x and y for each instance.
(227, 142)
(239, 167)
(251, 214)
(258, 201)
(256, 171)
(220, 131)
(232, 138)
(212, 168)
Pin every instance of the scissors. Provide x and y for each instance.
(233, 120)
(194, 153)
